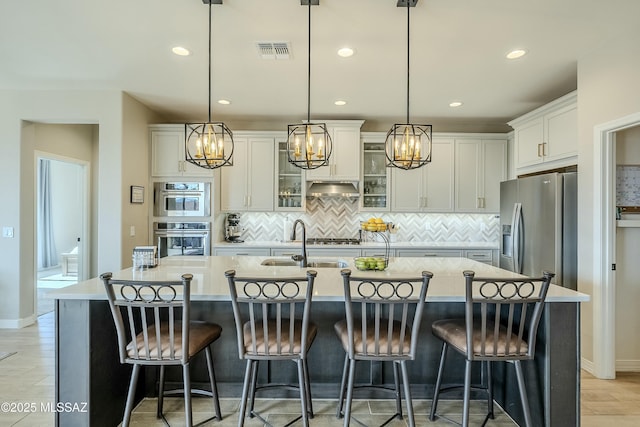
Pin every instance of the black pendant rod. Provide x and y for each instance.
(408, 20)
(210, 61)
(309, 67)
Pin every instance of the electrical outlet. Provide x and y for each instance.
(7, 231)
(132, 230)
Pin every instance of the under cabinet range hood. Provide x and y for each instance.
(348, 189)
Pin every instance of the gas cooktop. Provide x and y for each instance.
(332, 241)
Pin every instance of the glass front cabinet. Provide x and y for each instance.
(290, 183)
(375, 178)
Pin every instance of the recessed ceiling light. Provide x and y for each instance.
(340, 102)
(224, 101)
(181, 51)
(345, 52)
(516, 53)
(455, 104)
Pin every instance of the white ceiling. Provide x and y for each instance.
(457, 53)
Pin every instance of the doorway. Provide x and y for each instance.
(61, 225)
(604, 244)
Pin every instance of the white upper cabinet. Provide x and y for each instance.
(168, 156)
(375, 174)
(248, 184)
(548, 136)
(344, 163)
(289, 182)
(429, 188)
(480, 166)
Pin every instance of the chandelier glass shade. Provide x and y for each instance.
(309, 145)
(408, 145)
(208, 145)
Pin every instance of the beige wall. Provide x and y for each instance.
(135, 171)
(608, 89)
(119, 119)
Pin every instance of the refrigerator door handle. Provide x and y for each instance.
(517, 243)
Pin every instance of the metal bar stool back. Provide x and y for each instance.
(500, 324)
(153, 327)
(382, 324)
(272, 317)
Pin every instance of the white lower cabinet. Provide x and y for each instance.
(480, 255)
(377, 252)
(428, 253)
(286, 251)
(241, 251)
(333, 252)
(317, 252)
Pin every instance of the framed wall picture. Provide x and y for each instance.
(137, 194)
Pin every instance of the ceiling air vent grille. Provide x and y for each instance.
(273, 50)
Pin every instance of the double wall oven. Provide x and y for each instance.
(182, 238)
(181, 199)
(182, 218)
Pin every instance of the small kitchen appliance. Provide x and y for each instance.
(232, 229)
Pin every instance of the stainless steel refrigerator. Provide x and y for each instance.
(538, 223)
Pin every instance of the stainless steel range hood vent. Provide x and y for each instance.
(332, 189)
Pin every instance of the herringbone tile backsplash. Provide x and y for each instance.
(332, 217)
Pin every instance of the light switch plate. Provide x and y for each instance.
(7, 231)
(132, 230)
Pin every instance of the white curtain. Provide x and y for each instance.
(47, 254)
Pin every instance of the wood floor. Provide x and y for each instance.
(28, 377)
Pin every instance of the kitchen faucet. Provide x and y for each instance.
(302, 258)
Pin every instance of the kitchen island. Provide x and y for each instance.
(88, 370)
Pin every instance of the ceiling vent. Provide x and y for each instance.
(274, 50)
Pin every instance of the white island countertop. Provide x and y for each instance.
(210, 284)
(364, 245)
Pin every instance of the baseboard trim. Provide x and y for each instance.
(587, 365)
(17, 323)
(627, 365)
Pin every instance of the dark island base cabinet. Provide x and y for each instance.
(88, 370)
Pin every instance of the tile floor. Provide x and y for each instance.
(28, 376)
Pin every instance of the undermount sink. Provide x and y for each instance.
(311, 264)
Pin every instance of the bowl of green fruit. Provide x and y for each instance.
(370, 263)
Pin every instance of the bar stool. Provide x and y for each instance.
(382, 323)
(500, 324)
(273, 324)
(158, 332)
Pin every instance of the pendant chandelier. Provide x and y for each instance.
(408, 145)
(309, 145)
(209, 145)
